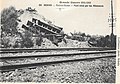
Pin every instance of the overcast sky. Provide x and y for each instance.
(89, 20)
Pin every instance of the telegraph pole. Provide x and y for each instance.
(111, 20)
(112, 35)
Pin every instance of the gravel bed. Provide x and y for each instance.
(95, 71)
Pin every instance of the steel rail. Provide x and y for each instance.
(53, 55)
(20, 51)
(3, 50)
(16, 49)
(17, 66)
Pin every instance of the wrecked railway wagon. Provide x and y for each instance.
(39, 28)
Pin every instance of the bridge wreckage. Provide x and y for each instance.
(41, 29)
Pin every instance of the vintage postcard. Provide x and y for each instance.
(59, 41)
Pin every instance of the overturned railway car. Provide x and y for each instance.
(39, 28)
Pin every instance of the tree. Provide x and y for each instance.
(9, 20)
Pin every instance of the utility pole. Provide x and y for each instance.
(111, 20)
(112, 35)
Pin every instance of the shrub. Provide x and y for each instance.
(5, 42)
(39, 41)
(27, 40)
(28, 43)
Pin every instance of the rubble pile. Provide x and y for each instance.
(74, 43)
(70, 43)
(46, 43)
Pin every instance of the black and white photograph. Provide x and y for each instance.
(59, 41)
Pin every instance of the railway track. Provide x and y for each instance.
(55, 55)
(3, 50)
(12, 67)
(27, 65)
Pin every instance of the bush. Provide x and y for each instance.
(5, 42)
(28, 43)
(27, 40)
(39, 41)
(105, 41)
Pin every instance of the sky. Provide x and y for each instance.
(92, 21)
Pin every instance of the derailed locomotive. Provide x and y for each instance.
(42, 29)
